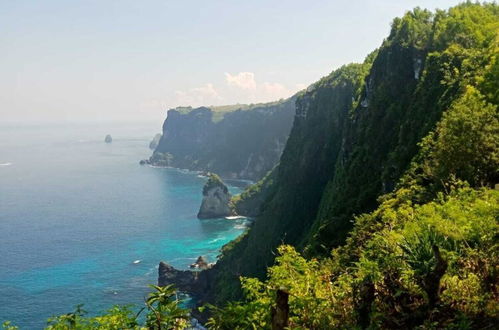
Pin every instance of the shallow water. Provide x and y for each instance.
(76, 214)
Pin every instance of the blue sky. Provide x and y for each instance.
(132, 60)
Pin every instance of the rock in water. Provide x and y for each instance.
(155, 141)
(108, 139)
(216, 199)
(183, 279)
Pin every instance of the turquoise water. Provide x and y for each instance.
(75, 213)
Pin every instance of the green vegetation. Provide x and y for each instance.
(404, 265)
(214, 181)
(416, 120)
(251, 201)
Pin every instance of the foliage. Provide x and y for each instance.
(413, 130)
(214, 181)
(251, 201)
(386, 279)
(7, 326)
(164, 312)
(465, 143)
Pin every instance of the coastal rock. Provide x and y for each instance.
(200, 263)
(196, 283)
(155, 141)
(193, 282)
(162, 159)
(108, 139)
(184, 280)
(216, 199)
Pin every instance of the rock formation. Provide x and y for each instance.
(155, 141)
(216, 199)
(200, 263)
(108, 139)
(184, 280)
(201, 139)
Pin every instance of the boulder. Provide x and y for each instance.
(108, 139)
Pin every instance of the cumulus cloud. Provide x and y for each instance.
(243, 80)
(240, 87)
(204, 95)
(247, 89)
(274, 91)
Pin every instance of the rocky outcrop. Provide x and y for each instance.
(158, 159)
(237, 142)
(201, 263)
(155, 141)
(108, 139)
(184, 280)
(216, 199)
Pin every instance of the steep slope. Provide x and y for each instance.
(356, 131)
(242, 142)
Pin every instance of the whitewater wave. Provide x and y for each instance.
(215, 240)
(5, 164)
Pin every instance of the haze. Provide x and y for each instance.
(132, 60)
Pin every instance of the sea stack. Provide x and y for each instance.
(108, 139)
(216, 199)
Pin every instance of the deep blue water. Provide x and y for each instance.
(75, 213)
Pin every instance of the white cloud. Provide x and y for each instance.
(247, 90)
(204, 95)
(243, 80)
(274, 91)
(241, 88)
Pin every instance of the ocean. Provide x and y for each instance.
(81, 222)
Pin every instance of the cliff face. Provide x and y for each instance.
(242, 144)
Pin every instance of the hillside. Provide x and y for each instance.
(423, 107)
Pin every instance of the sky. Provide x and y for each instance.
(99, 60)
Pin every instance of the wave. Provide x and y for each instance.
(5, 164)
(215, 240)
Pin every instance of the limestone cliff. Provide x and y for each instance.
(237, 142)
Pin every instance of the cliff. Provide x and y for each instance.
(354, 136)
(238, 142)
